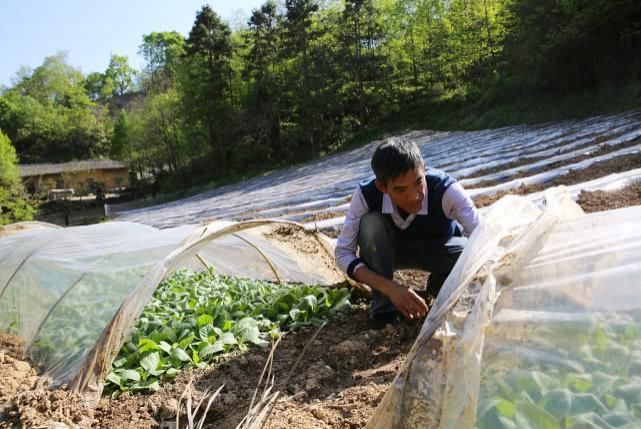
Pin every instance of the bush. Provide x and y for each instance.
(14, 206)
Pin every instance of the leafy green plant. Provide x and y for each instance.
(591, 380)
(193, 318)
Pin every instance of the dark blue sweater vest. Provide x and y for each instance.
(433, 225)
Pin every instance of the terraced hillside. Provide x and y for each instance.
(597, 154)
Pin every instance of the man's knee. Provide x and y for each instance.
(373, 230)
(455, 245)
(453, 249)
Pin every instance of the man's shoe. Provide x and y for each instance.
(379, 320)
(430, 290)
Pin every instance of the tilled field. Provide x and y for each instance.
(341, 379)
(346, 369)
(596, 154)
(342, 376)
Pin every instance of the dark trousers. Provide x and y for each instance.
(384, 251)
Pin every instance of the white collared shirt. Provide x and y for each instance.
(457, 205)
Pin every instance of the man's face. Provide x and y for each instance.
(407, 191)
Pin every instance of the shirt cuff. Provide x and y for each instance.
(362, 264)
(351, 268)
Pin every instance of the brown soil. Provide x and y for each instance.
(341, 379)
(322, 216)
(16, 373)
(25, 398)
(414, 279)
(311, 255)
(614, 165)
(58, 408)
(599, 201)
(11, 345)
(299, 239)
(600, 151)
(561, 145)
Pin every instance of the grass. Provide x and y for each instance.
(540, 109)
(482, 111)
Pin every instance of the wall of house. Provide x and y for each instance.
(79, 181)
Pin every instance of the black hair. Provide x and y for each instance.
(394, 157)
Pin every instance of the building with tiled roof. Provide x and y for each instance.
(76, 175)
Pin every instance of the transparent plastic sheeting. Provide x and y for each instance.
(64, 289)
(307, 189)
(609, 183)
(538, 326)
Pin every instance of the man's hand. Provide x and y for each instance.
(407, 302)
(404, 299)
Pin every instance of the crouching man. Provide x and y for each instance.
(407, 216)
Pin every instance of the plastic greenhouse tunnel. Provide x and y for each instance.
(538, 326)
(73, 294)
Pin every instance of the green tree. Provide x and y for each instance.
(261, 61)
(263, 38)
(298, 35)
(118, 77)
(363, 38)
(163, 53)
(93, 85)
(564, 46)
(206, 84)
(48, 115)
(403, 42)
(8, 163)
(119, 147)
(13, 204)
(209, 41)
(435, 34)
(156, 139)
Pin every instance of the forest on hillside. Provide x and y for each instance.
(303, 78)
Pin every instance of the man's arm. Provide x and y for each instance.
(347, 243)
(404, 299)
(458, 205)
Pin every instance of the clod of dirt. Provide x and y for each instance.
(168, 409)
(317, 374)
(17, 376)
(24, 398)
(11, 345)
(414, 279)
(229, 399)
(351, 348)
(130, 411)
(390, 330)
(52, 409)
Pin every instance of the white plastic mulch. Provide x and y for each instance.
(325, 186)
